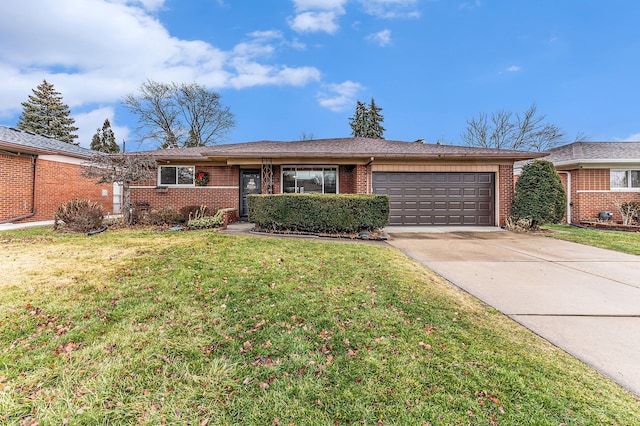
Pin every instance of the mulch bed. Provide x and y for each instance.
(365, 235)
(610, 226)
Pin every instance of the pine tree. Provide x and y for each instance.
(375, 129)
(358, 122)
(365, 122)
(104, 139)
(45, 114)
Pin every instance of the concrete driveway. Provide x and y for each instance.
(582, 299)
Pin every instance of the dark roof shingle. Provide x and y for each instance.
(12, 139)
(603, 151)
(340, 147)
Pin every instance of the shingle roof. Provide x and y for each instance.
(601, 151)
(340, 147)
(12, 139)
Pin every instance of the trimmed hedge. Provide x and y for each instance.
(322, 213)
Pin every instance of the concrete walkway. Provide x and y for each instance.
(12, 226)
(583, 299)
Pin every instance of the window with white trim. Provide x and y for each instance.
(310, 179)
(625, 179)
(177, 175)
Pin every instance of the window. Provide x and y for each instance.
(624, 179)
(177, 175)
(305, 180)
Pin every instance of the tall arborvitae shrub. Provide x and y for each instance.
(540, 197)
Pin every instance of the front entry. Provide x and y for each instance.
(251, 184)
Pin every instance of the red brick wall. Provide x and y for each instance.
(588, 205)
(177, 197)
(16, 185)
(360, 179)
(56, 183)
(345, 179)
(591, 194)
(213, 195)
(505, 192)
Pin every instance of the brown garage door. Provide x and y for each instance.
(438, 198)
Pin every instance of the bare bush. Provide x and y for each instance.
(196, 212)
(79, 216)
(163, 216)
(516, 224)
(629, 210)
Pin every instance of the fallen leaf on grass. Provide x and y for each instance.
(424, 346)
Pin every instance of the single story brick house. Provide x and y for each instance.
(596, 175)
(38, 173)
(428, 184)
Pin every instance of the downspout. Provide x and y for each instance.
(366, 170)
(569, 203)
(33, 196)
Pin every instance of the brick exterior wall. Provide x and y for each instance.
(506, 185)
(346, 179)
(16, 186)
(177, 197)
(221, 192)
(591, 194)
(56, 183)
(360, 179)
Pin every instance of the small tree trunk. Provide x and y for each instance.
(127, 209)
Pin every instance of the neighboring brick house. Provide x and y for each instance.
(38, 173)
(596, 175)
(428, 184)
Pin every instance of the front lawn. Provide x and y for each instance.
(625, 242)
(143, 327)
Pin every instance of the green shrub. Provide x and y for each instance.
(207, 221)
(539, 196)
(79, 215)
(319, 213)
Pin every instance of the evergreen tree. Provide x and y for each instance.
(358, 122)
(45, 114)
(540, 196)
(375, 119)
(366, 121)
(104, 139)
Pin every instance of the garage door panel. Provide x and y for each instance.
(438, 198)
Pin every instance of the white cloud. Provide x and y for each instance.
(470, 4)
(97, 51)
(302, 5)
(312, 22)
(383, 38)
(317, 16)
(390, 9)
(90, 122)
(339, 97)
(513, 68)
(632, 138)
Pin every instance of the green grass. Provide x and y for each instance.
(140, 327)
(625, 242)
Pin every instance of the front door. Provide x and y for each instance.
(251, 184)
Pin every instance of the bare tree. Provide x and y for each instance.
(506, 131)
(179, 115)
(304, 136)
(124, 169)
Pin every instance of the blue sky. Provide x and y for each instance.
(292, 67)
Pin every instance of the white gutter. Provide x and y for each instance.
(568, 195)
(366, 171)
